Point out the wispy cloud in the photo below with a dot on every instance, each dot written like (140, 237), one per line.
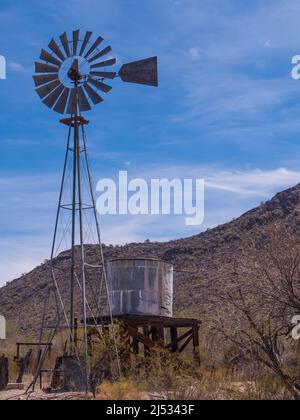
(17, 67)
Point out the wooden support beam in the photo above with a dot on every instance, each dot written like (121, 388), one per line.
(184, 346)
(151, 331)
(146, 332)
(178, 339)
(135, 343)
(141, 338)
(146, 320)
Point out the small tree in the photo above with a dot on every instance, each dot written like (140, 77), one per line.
(261, 301)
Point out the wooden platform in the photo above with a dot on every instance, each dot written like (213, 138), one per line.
(144, 333)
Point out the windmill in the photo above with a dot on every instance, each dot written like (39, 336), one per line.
(70, 78)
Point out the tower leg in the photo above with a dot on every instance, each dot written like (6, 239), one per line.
(82, 250)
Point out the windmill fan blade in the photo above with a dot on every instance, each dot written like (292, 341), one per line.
(49, 58)
(42, 80)
(62, 102)
(65, 43)
(142, 72)
(104, 74)
(85, 42)
(83, 102)
(99, 85)
(45, 68)
(45, 90)
(100, 54)
(95, 98)
(55, 48)
(94, 46)
(75, 41)
(52, 98)
(106, 63)
(72, 103)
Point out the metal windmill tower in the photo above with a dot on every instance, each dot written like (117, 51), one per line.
(70, 78)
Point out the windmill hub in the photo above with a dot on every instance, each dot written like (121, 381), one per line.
(74, 72)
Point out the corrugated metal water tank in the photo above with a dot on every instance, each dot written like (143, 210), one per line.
(140, 287)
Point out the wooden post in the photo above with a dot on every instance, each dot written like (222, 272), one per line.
(41, 379)
(196, 343)
(4, 377)
(161, 335)
(154, 333)
(125, 343)
(75, 332)
(146, 331)
(18, 352)
(135, 342)
(90, 341)
(174, 339)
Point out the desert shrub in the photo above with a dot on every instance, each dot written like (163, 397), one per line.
(122, 389)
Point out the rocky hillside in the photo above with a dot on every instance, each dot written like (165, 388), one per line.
(203, 263)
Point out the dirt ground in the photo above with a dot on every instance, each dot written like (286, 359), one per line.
(76, 396)
(41, 396)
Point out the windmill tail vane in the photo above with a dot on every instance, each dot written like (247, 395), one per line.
(71, 76)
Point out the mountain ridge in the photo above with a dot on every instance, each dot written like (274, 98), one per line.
(203, 262)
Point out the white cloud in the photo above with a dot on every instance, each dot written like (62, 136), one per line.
(195, 53)
(17, 67)
(253, 183)
(268, 44)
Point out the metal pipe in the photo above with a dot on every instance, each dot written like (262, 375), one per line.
(72, 281)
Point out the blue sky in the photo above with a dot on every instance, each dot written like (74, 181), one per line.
(227, 110)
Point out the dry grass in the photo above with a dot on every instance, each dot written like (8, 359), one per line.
(123, 389)
(176, 377)
(171, 377)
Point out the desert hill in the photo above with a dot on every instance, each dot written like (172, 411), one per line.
(204, 263)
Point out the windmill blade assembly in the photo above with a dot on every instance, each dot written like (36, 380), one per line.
(78, 62)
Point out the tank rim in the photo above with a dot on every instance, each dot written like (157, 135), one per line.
(139, 259)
